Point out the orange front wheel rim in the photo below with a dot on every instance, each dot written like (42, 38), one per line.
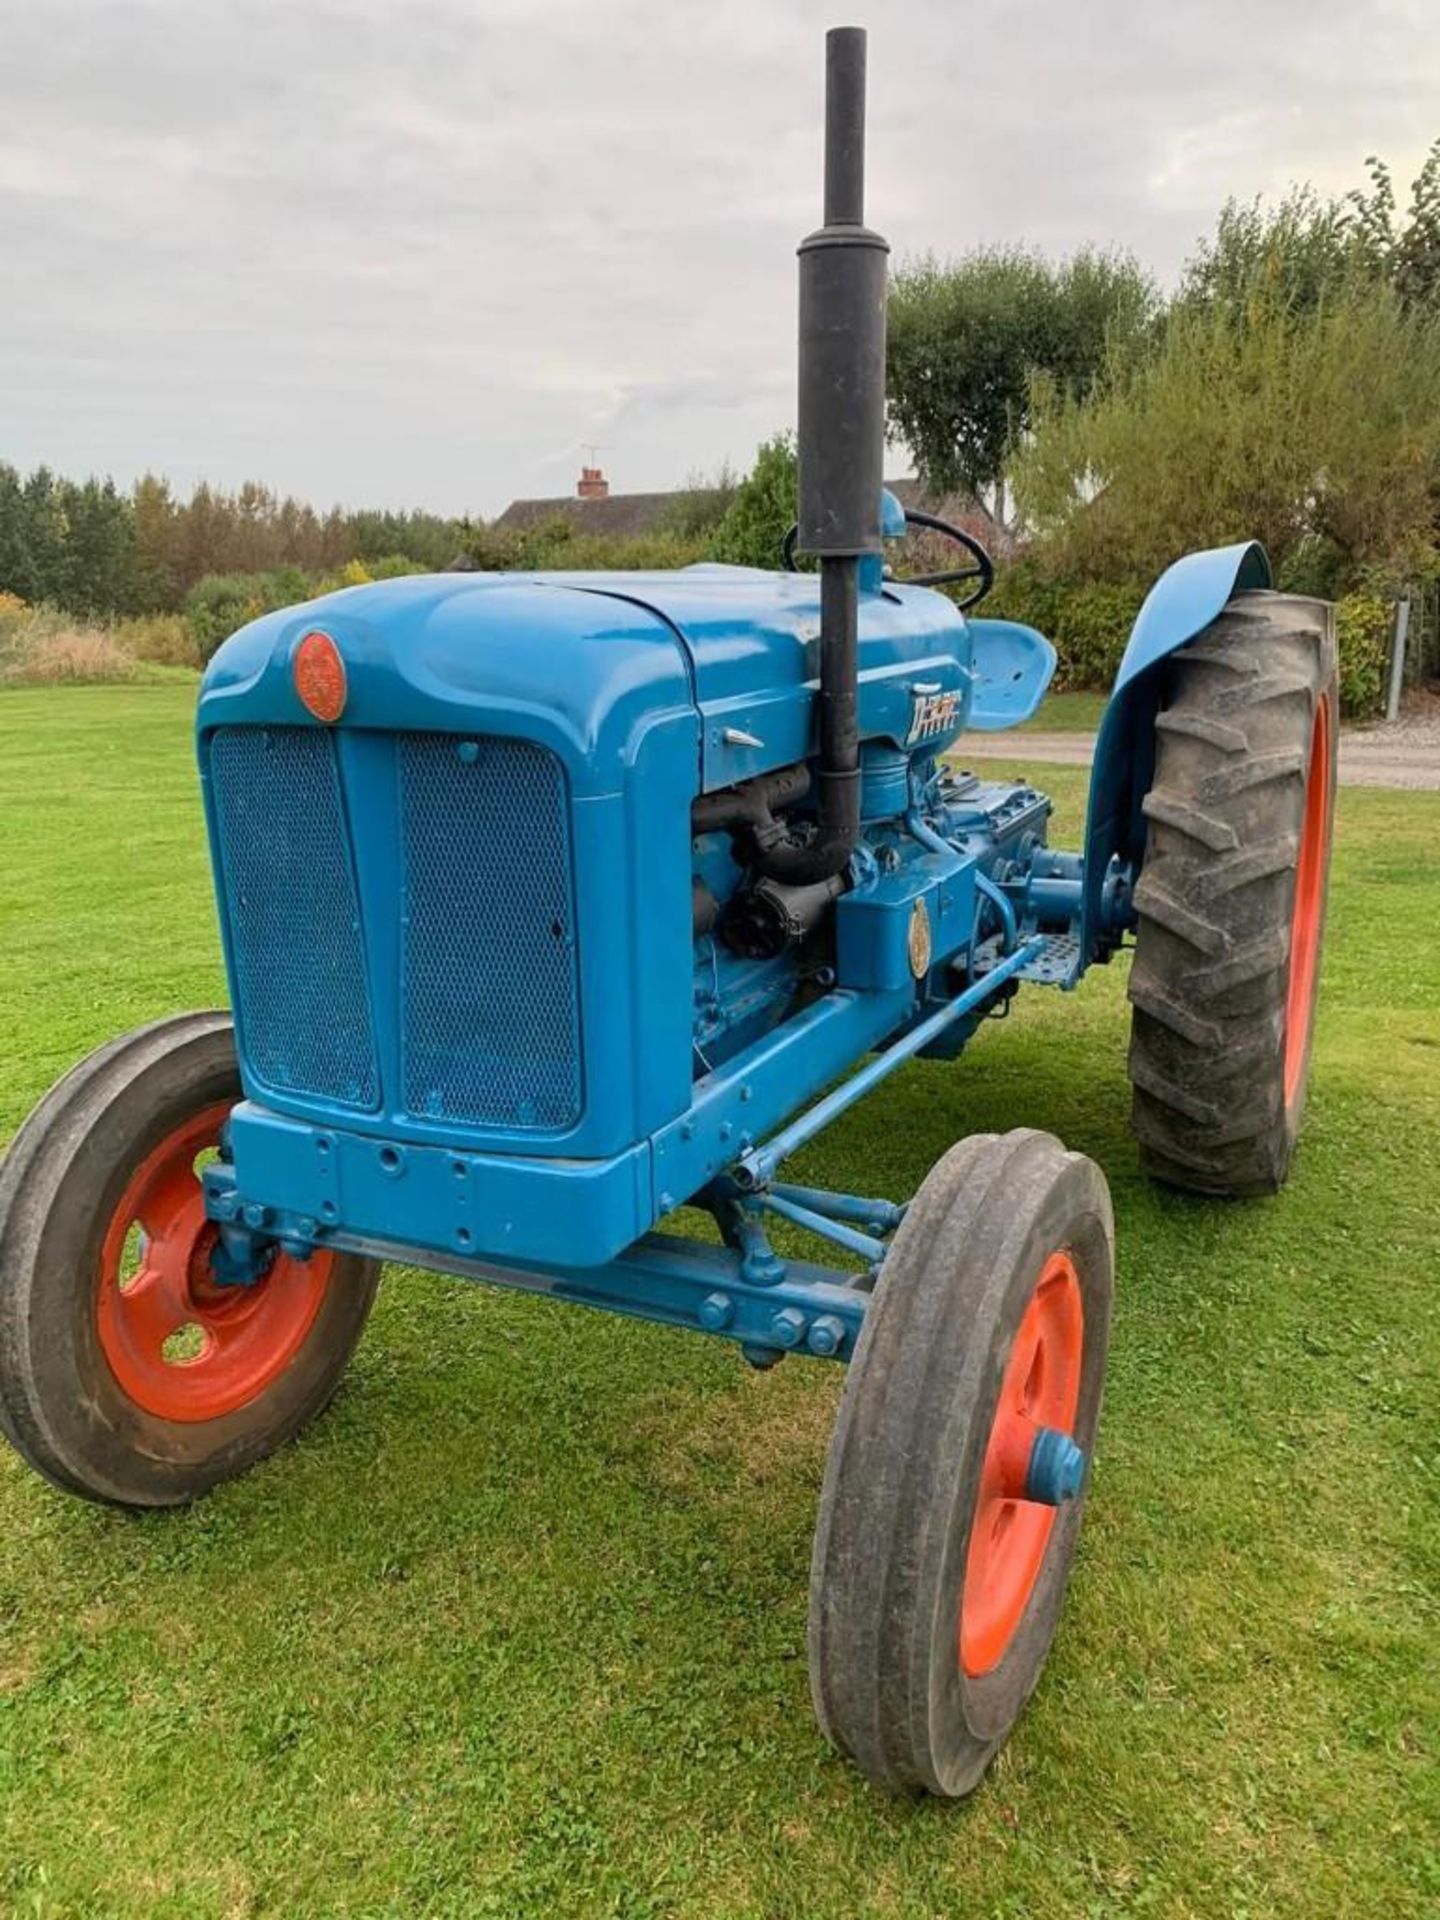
(180, 1345)
(1010, 1533)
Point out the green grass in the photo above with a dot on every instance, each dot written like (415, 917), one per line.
(1068, 713)
(519, 1627)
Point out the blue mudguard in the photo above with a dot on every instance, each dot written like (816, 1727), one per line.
(1181, 604)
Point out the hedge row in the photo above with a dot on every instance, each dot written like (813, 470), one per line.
(1091, 623)
(222, 603)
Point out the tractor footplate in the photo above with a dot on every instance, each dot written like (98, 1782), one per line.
(1054, 963)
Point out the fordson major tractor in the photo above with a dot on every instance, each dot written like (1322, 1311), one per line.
(553, 903)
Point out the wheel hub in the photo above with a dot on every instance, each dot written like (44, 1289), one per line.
(1032, 1466)
(182, 1342)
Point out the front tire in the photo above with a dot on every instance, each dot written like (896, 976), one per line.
(127, 1374)
(940, 1559)
(1231, 897)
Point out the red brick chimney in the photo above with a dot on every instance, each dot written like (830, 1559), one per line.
(593, 485)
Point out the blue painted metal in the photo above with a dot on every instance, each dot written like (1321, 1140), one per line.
(475, 1020)
(1185, 599)
(490, 1005)
(1045, 890)
(756, 1168)
(1056, 1470)
(881, 1216)
(682, 1283)
(853, 1241)
(303, 1004)
(892, 527)
(1181, 604)
(753, 640)
(873, 921)
(1009, 933)
(885, 780)
(1012, 666)
(440, 1200)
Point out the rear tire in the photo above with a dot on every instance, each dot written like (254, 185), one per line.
(104, 1268)
(938, 1570)
(1231, 897)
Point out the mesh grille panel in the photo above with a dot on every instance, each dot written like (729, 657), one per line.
(491, 1017)
(294, 924)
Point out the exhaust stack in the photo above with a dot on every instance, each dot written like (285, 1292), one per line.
(842, 331)
(841, 450)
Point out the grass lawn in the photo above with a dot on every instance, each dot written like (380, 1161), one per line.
(519, 1627)
(1068, 713)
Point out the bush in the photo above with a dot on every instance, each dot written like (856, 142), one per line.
(83, 655)
(222, 603)
(1316, 432)
(640, 553)
(1089, 621)
(1364, 625)
(559, 546)
(162, 639)
(218, 605)
(762, 510)
(41, 645)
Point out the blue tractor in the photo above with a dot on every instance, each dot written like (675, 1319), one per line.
(553, 903)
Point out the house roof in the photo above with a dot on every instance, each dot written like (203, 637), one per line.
(621, 515)
(618, 515)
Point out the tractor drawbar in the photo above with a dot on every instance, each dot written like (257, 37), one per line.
(841, 452)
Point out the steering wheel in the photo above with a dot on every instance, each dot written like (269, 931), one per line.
(983, 572)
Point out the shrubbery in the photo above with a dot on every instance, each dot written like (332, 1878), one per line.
(1090, 624)
(43, 645)
(222, 603)
(1364, 626)
(762, 509)
(558, 546)
(103, 554)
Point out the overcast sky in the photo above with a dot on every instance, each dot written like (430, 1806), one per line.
(418, 254)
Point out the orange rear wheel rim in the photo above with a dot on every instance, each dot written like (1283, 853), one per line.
(181, 1346)
(1010, 1534)
(1309, 903)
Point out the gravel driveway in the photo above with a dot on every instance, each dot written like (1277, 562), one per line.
(1404, 754)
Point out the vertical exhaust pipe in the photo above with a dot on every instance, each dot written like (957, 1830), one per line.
(841, 449)
(842, 332)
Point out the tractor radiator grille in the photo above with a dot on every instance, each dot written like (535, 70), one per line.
(301, 1003)
(491, 1020)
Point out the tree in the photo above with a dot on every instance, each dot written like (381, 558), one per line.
(1316, 431)
(703, 502)
(967, 337)
(155, 584)
(1292, 255)
(1417, 249)
(762, 508)
(1307, 249)
(44, 536)
(16, 572)
(100, 548)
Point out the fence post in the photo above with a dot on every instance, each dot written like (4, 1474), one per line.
(1397, 658)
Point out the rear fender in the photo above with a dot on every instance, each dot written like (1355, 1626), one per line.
(1181, 604)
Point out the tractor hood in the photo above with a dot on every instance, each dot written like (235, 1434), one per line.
(590, 661)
